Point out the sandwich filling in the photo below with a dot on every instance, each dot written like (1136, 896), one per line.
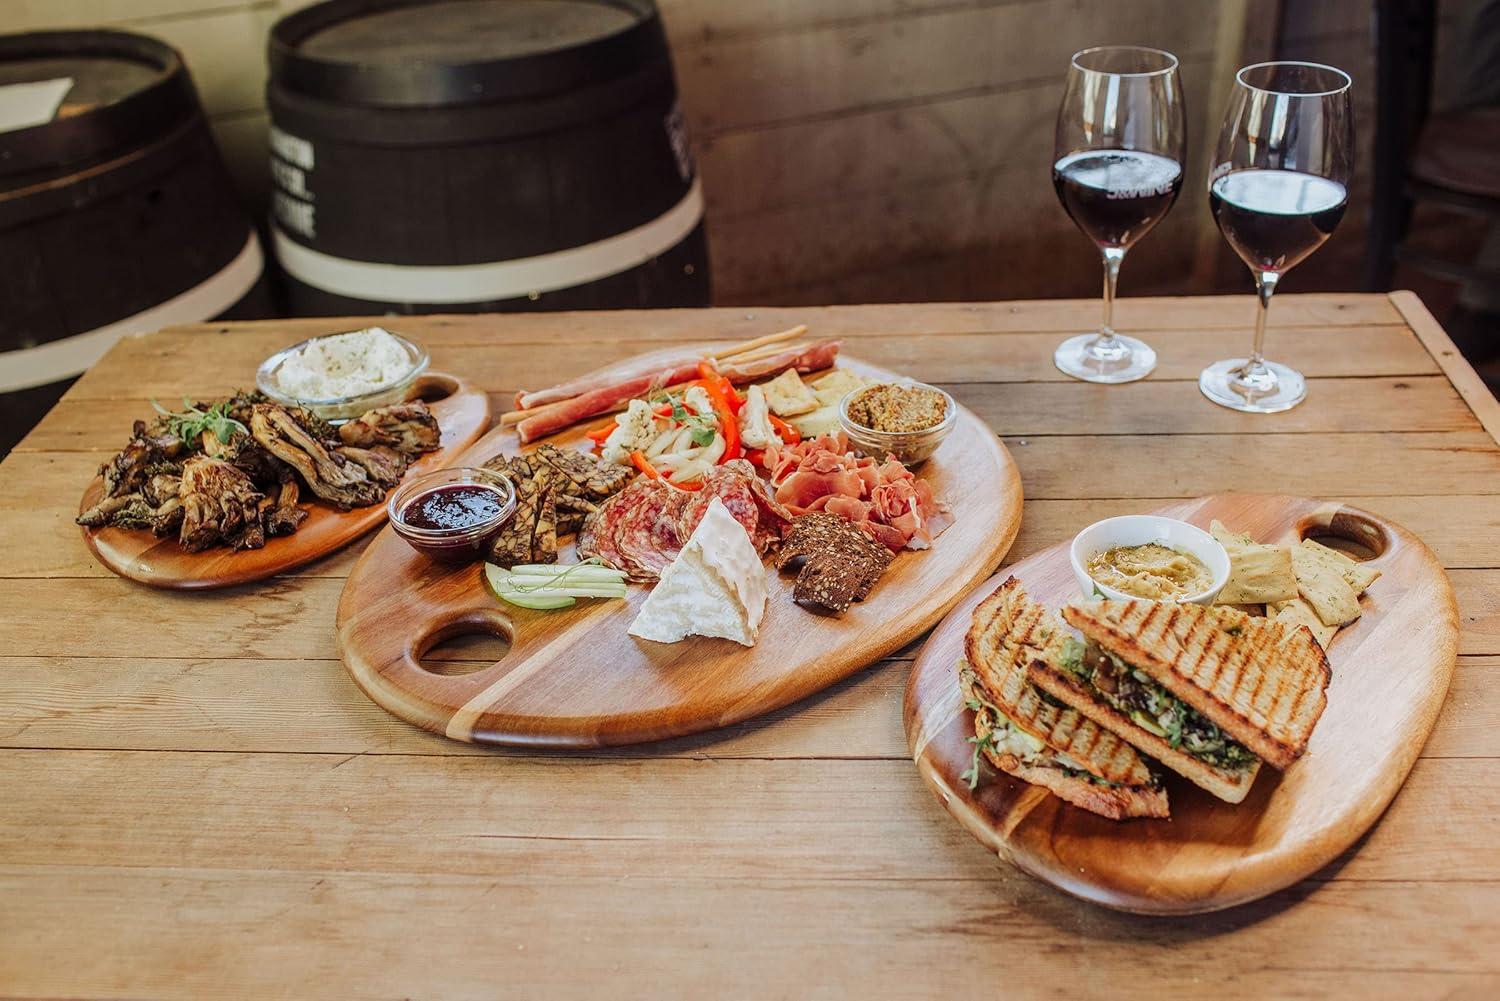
(1005, 737)
(1136, 694)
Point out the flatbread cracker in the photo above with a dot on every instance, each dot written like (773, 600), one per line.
(1359, 576)
(1258, 574)
(1324, 587)
(1297, 612)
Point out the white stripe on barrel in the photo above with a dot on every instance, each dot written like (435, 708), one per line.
(522, 276)
(68, 356)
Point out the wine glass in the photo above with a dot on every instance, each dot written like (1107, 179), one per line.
(1117, 169)
(1277, 191)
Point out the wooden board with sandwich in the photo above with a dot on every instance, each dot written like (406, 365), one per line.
(1179, 758)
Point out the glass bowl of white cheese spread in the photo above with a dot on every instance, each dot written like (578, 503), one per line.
(342, 376)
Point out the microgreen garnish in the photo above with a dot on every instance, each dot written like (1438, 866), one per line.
(193, 421)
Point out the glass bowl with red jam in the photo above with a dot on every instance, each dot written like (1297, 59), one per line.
(452, 514)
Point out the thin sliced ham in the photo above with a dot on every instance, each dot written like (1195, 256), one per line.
(885, 499)
(609, 391)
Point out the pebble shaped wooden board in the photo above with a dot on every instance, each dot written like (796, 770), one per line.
(463, 414)
(575, 679)
(1391, 670)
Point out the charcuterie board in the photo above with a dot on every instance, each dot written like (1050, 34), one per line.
(1390, 673)
(574, 678)
(462, 411)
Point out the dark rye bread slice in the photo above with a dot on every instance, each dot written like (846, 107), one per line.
(1007, 633)
(1113, 802)
(1260, 680)
(1230, 785)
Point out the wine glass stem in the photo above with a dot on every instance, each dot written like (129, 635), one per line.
(1265, 285)
(1112, 258)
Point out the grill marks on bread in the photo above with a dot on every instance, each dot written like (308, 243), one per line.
(1262, 682)
(1008, 632)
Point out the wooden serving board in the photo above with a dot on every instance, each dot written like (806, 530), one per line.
(1391, 670)
(463, 414)
(575, 678)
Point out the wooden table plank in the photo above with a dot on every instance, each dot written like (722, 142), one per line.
(809, 820)
(310, 706)
(164, 367)
(195, 788)
(1380, 403)
(382, 935)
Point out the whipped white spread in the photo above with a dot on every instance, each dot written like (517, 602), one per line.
(352, 364)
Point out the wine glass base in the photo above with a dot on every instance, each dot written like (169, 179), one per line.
(1132, 359)
(1220, 382)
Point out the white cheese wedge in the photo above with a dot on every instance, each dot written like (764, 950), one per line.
(716, 586)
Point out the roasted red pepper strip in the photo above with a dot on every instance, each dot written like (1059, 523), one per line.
(728, 426)
(601, 432)
(785, 431)
(638, 458)
(757, 457)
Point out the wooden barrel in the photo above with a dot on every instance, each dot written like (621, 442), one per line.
(116, 212)
(477, 155)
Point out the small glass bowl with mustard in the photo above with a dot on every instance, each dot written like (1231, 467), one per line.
(345, 375)
(906, 419)
(1147, 556)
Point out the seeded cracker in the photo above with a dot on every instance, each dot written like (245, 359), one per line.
(840, 564)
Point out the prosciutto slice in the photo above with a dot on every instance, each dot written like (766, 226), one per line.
(610, 391)
(884, 499)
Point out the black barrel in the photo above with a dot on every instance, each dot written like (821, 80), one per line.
(116, 215)
(476, 155)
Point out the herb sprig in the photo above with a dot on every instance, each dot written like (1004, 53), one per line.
(193, 421)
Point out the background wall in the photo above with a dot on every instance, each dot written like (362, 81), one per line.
(872, 150)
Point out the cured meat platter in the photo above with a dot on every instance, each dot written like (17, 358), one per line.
(1390, 671)
(462, 412)
(576, 677)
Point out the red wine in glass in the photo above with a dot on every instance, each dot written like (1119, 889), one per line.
(1275, 218)
(1117, 156)
(1115, 195)
(1277, 191)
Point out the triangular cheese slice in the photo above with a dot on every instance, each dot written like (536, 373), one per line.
(716, 586)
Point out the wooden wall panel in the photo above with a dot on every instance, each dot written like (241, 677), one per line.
(852, 150)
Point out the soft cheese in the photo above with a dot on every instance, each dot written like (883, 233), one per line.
(715, 587)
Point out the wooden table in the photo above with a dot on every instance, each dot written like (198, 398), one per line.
(196, 801)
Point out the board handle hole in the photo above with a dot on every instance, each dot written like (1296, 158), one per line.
(1351, 533)
(432, 387)
(472, 643)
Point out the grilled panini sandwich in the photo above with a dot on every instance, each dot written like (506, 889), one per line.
(1208, 692)
(1023, 733)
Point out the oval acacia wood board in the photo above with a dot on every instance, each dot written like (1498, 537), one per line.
(463, 414)
(576, 679)
(1390, 668)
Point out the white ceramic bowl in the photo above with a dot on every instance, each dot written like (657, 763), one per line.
(1139, 530)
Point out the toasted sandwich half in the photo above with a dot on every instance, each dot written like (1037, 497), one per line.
(1208, 692)
(1025, 734)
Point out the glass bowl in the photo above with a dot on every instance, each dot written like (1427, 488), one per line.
(451, 545)
(910, 447)
(339, 409)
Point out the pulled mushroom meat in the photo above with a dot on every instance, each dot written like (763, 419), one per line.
(384, 465)
(148, 449)
(177, 475)
(328, 474)
(219, 503)
(409, 428)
